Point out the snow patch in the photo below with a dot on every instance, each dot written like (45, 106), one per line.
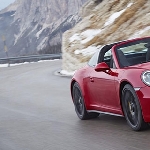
(75, 37)
(33, 30)
(72, 45)
(65, 72)
(73, 17)
(89, 35)
(129, 5)
(114, 16)
(17, 64)
(87, 51)
(43, 28)
(42, 44)
(13, 15)
(22, 31)
(86, 35)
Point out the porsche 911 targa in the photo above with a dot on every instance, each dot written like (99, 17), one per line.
(116, 81)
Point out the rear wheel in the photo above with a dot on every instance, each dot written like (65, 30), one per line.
(132, 109)
(80, 105)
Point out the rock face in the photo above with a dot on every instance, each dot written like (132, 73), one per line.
(36, 26)
(103, 22)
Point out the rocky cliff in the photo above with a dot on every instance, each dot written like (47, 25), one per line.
(104, 21)
(36, 26)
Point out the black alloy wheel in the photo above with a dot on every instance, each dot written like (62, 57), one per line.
(132, 109)
(80, 105)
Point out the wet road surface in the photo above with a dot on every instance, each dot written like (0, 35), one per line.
(36, 113)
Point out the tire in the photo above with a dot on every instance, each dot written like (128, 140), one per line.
(80, 105)
(132, 110)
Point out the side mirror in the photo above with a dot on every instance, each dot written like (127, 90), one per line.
(102, 67)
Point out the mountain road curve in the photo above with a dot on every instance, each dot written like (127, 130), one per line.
(37, 113)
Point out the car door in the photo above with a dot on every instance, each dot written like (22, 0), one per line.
(102, 87)
(103, 90)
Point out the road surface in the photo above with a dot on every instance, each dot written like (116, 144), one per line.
(36, 113)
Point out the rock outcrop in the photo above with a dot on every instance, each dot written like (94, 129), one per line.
(104, 21)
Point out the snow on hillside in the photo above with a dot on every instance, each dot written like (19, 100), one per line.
(115, 15)
(43, 28)
(18, 64)
(107, 22)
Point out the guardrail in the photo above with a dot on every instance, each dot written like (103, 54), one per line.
(31, 58)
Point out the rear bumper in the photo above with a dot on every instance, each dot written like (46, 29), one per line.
(144, 98)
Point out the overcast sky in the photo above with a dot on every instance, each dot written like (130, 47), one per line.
(5, 3)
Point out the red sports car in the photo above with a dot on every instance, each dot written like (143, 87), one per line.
(116, 81)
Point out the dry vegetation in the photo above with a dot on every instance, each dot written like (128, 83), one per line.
(134, 19)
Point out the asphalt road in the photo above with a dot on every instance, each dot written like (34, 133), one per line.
(36, 113)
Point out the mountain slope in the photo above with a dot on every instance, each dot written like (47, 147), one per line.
(36, 26)
(103, 22)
